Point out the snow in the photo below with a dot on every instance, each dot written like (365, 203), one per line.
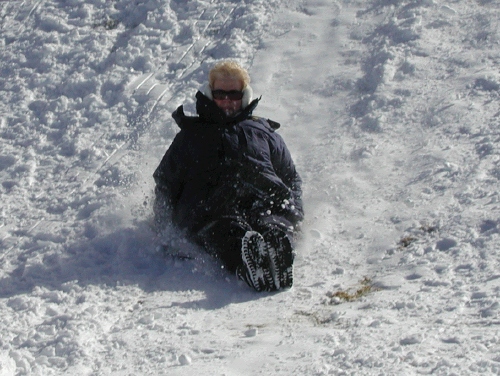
(391, 111)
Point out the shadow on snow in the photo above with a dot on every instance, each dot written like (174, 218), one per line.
(130, 257)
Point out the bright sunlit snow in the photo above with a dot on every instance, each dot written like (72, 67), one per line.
(391, 111)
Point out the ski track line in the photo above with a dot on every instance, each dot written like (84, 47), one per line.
(206, 44)
(37, 3)
(143, 82)
(199, 35)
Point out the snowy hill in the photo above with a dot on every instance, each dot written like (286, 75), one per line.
(391, 111)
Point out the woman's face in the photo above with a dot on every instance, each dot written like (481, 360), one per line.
(230, 106)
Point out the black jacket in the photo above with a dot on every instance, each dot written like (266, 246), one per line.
(218, 166)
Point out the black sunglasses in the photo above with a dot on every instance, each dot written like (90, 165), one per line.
(233, 95)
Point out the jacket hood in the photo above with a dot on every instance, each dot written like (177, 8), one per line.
(210, 113)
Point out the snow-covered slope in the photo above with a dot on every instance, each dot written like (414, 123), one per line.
(391, 111)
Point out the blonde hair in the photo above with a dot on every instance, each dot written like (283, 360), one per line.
(228, 69)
